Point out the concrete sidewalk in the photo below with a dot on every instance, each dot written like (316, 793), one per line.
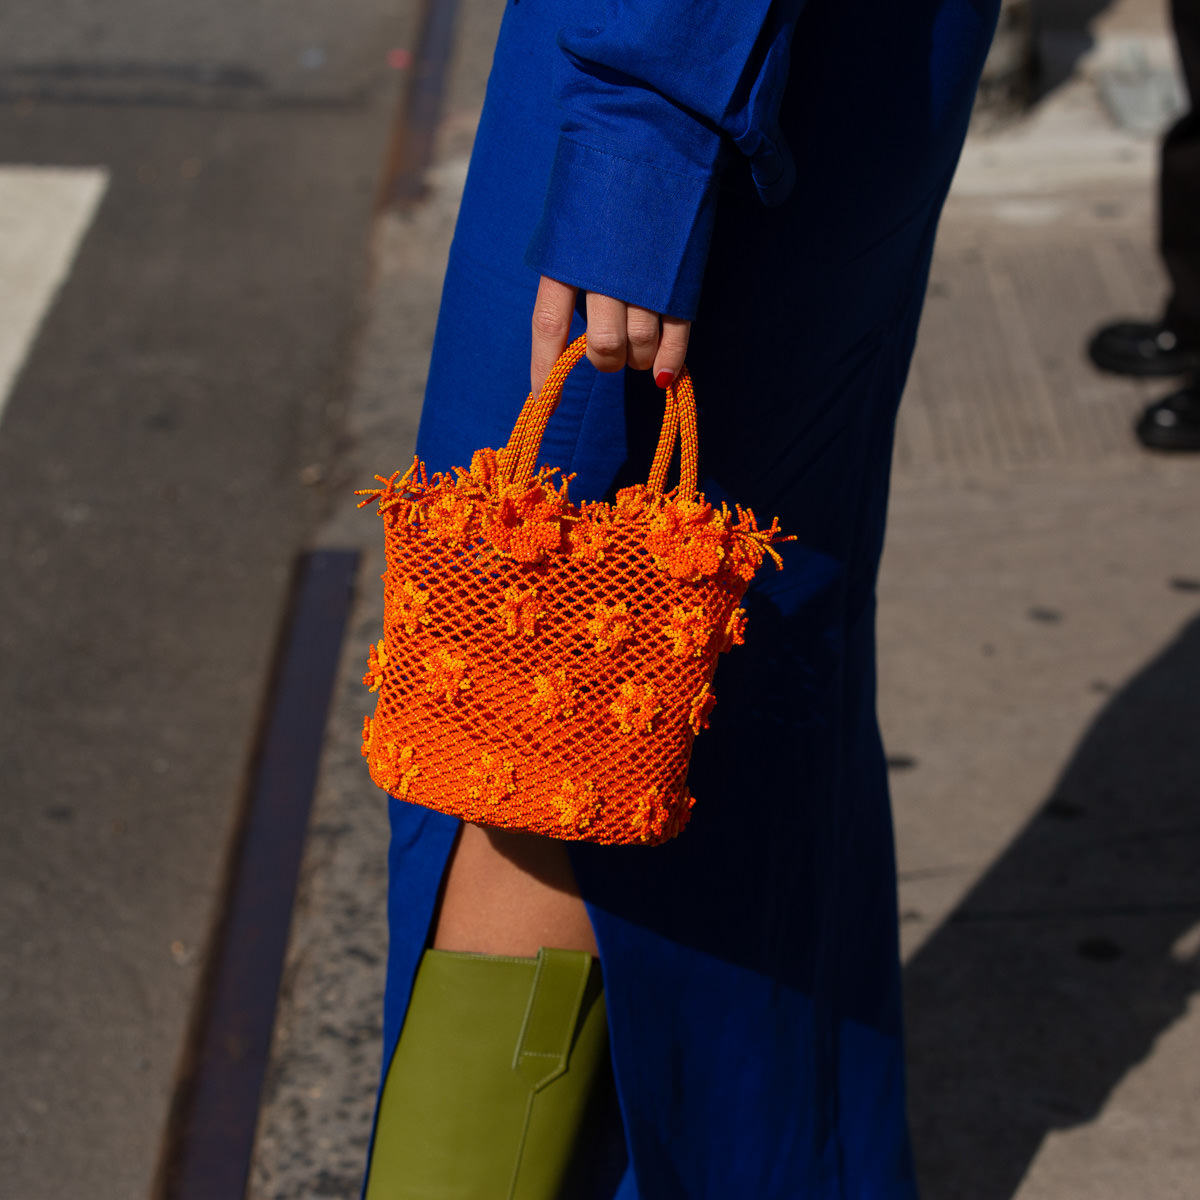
(1039, 676)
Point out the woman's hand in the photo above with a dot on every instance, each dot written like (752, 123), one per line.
(618, 334)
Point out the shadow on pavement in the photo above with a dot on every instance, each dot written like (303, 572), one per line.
(1057, 972)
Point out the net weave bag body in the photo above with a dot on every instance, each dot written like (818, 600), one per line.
(546, 666)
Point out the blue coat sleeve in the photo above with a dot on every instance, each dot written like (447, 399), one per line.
(656, 95)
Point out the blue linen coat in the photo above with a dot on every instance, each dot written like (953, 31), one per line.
(627, 147)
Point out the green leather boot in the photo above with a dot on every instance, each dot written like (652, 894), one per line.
(487, 1091)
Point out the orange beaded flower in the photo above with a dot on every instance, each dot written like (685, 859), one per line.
(553, 696)
(445, 675)
(611, 626)
(520, 610)
(410, 604)
(377, 661)
(688, 630)
(588, 540)
(734, 633)
(654, 821)
(649, 818)
(688, 539)
(702, 705)
(527, 524)
(635, 707)
(578, 805)
(396, 769)
(634, 503)
(449, 515)
(491, 779)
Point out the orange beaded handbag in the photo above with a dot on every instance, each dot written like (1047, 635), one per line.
(546, 665)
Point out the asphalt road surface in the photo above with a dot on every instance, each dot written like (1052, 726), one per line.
(185, 207)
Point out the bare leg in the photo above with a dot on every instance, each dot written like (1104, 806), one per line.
(511, 893)
(459, 1100)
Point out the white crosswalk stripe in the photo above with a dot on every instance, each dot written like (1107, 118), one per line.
(44, 213)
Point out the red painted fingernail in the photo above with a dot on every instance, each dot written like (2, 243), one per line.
(663, 378)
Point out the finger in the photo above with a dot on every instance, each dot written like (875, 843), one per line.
(642, 332)
(606, 332)
(672, 350)
(552, 312)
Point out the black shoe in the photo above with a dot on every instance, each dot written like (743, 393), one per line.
(1172, 423)
(1143, 348)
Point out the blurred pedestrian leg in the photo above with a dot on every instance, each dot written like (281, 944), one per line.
(1171, 345)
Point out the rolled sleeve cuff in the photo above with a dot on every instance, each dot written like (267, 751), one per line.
(652, 225)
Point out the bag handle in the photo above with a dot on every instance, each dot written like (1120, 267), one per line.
(518, 459)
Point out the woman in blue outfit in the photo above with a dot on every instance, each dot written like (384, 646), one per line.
(757, 183)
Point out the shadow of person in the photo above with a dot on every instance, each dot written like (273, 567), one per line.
(1057, 972)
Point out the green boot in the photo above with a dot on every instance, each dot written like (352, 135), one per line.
(486, 1093)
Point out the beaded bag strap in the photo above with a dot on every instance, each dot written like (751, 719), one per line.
(518, 459)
